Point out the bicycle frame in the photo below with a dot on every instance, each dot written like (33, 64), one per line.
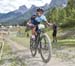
(38, 38)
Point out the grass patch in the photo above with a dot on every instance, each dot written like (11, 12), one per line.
(66, 43)
(6, 47)
(21, 40)
(9, 58)
(6, 50)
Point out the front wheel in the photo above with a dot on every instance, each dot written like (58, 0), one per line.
(33, 48)
(45, 48)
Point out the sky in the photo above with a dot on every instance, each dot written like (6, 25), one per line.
(11, 5)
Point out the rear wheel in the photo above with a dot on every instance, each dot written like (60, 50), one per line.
(45, 48)
(33, 48)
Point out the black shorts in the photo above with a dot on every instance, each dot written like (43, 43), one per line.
(36, 25)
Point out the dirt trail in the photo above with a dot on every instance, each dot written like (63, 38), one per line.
(14, 45)
(25, 56)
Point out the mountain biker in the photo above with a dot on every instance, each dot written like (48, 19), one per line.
(39, 18)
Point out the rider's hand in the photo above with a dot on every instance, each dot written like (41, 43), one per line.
(50, 24)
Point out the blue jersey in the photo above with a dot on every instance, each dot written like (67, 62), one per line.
(41, 19)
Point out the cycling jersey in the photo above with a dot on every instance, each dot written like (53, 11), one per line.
(40, 19)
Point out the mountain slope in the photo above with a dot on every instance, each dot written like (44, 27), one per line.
(57, 3)
(13, 14)
(23, 13)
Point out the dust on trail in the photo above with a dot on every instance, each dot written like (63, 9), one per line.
(23, 56)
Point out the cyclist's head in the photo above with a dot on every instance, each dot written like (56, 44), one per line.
(39, 11)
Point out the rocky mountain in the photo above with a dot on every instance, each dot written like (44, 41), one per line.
(57, 3)
(22, 9)
(23, 13)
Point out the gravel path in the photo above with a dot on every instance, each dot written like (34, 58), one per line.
(22, 55)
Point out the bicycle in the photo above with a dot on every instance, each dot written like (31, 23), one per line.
(42, 43)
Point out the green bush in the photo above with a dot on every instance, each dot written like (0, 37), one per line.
(69, 23)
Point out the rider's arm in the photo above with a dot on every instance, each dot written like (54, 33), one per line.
(49, 24)
(29, 22)
(46, 22)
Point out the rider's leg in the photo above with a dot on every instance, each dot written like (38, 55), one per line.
(54, 39)
(32, 26)
(33, 32)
